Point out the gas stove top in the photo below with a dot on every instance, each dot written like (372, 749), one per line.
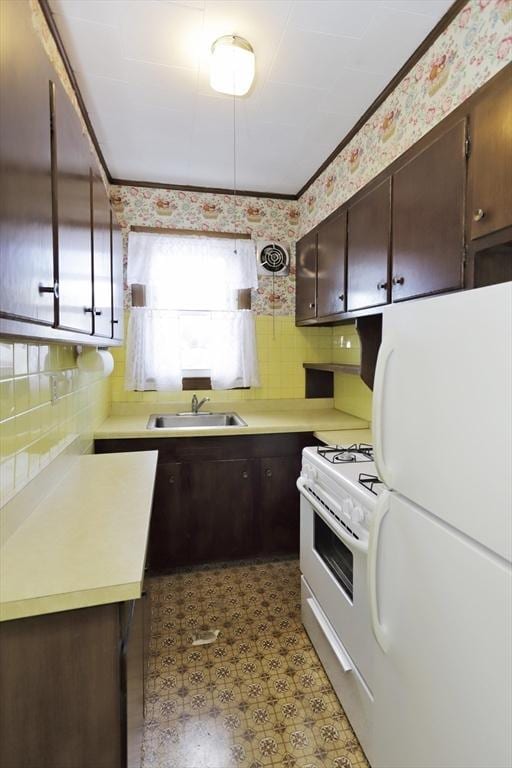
(343, 469)
(351, 454)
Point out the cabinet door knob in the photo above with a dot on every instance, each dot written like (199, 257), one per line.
(115, 322)
(478, 214)
(398, 280)
(382, 285)
(171, 480)
(50, 289)
(311, 305)
(268, 472)
(341, 296)
(98, 312)
(88, 309)
(245, 474)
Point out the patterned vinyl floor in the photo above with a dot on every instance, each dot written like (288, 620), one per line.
(255, 697)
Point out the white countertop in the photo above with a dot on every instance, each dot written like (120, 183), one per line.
(297, 419)
(345, 437)
(85, 543)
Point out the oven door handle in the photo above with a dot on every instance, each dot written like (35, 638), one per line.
(330, 636)
(346, 538)
(373, 551)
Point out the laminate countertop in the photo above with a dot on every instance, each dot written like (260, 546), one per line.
(85, 543)
(258, 422)
(345, 437)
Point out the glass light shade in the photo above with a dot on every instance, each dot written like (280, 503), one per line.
(232, 65)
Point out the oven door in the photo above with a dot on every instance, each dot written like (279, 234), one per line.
(333, 563)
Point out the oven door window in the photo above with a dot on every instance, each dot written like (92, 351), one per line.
(337, 557)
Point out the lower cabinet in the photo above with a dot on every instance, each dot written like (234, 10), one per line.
(279, 504)
(169, 538)
(81, 673)
(218, 503)
(221, 498)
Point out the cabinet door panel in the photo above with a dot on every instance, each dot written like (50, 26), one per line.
(102, 292)
(305, 291)
(73, 195)
(219, 508)
(490, 163)
(331, 266)
(369, 224)
(279, 504)
(168, 537)
(26, 240)
(134, 681)
(117, 280)
(428, 218)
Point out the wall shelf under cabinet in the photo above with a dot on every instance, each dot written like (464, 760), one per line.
(320, 377)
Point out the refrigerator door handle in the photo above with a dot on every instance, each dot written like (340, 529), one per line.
(385, 352)
(373, 552)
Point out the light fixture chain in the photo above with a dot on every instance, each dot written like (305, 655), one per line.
(234, 167)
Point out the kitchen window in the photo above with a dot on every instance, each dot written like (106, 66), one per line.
(190, 324)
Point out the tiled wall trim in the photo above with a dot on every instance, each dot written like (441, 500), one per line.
(33, 430)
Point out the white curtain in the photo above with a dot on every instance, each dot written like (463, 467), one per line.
(201, 273)
(190, 319)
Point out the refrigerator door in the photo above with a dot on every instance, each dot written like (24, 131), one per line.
(442, 409)
(442, 687)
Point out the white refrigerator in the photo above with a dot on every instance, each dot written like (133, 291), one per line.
(440, 550)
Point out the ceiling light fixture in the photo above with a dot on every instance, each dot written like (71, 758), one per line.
(232, 65)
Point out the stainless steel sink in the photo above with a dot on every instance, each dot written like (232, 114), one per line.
(193, 420)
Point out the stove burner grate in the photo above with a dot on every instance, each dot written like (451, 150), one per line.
(368, 481)
(339, 455)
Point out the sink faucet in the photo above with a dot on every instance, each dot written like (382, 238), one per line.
(196, 404)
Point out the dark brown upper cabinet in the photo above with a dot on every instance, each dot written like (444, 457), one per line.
(369, 229)
(117, 282)
(26, 241)
(490, 162)
(101, 306)
(72, 184)
(428, 218)
(331, 248)
(60, 276)
(305, 294)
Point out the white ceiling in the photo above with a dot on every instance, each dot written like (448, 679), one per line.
(142, 67)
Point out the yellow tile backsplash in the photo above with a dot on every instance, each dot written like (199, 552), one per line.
(33, 431)
(350, 393)
(282, 348)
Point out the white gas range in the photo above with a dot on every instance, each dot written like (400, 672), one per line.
(339, 488)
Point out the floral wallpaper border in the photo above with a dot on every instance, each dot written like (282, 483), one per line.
(263, 218)
(473, 48)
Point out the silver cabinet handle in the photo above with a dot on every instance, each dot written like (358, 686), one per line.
(478, 214)
(171, 481)
(50, 289)
(245, 475)
(268, 472)
(382, 285)
(398, 280)
(311, 305)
